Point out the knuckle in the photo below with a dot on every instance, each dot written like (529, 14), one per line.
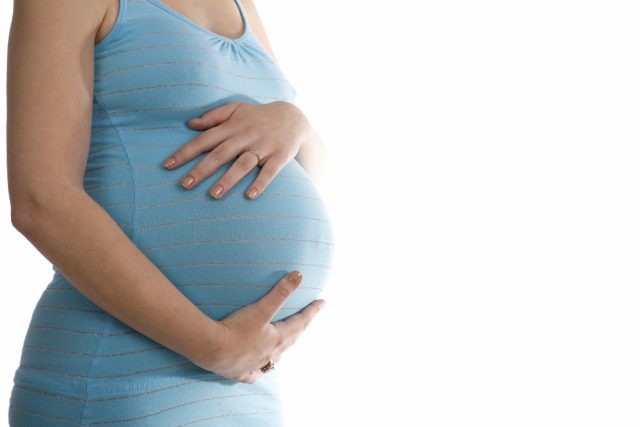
(283, 156)
(306, 320)
(265, 175)
(246, 161)
(284, 290)
(274, 163)
(261, 305)
(196, 145)
(212, 156)
(265, 312)
(212, 116)
(212, 160)
(222, 152)
(274, 336)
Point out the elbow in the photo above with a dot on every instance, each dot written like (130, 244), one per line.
(31, 208)
(22, 215)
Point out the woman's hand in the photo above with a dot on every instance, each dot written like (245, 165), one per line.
(276, 131)
(248, 338)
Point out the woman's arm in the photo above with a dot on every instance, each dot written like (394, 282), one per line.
(49, 107)
(314, 158)
(313, 155)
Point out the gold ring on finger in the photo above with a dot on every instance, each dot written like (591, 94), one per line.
(256, 153)
(269, 366)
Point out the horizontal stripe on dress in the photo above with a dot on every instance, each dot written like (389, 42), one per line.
(106, 377)
(200, 379)
(167, 183)
(75, 422)
(224, 89)
(234, 217)
(99, 58)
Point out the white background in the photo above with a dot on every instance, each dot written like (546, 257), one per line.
(486, 199)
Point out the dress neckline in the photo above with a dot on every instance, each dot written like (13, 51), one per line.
(245, 21)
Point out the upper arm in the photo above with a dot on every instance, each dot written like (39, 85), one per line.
(49, 95)
(257, 26)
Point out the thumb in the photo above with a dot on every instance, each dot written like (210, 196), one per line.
(276, 297)
(214, 116)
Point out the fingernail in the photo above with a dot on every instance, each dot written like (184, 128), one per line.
(252, 193)
(217, 190)
(170, 162)
(187, 180)
(295, 277)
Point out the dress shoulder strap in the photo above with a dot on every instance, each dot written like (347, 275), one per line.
(122, 12)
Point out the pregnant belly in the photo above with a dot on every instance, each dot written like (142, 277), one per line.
(226, 253)
(222, 254)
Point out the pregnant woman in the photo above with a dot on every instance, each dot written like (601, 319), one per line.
(170, 302)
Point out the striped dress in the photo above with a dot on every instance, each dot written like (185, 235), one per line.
(81, 366)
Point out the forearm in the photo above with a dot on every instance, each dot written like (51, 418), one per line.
(89, 248)
(313, 156)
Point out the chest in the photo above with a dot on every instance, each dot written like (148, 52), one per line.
(161, 59)
(221, 17)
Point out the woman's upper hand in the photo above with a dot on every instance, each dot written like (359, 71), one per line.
(275, 130)
(247, 339)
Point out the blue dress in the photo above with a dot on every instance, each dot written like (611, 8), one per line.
(81, 366)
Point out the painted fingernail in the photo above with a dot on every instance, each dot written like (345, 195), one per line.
(187, 180)
(170, 162)
(295, 277)
(253, 193)
(217, 190)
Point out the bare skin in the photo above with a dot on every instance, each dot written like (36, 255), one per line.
(278, 131)
(48, 136)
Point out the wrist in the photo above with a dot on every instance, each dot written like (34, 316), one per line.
(209, 347)
(297, 121)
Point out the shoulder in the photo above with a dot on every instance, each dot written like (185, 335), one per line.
(42, 19)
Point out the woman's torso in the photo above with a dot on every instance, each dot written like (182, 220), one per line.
(155, 70)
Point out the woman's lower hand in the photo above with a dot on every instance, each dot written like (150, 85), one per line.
(274, 130)
(248, 339)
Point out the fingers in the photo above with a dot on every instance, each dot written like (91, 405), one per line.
(268, 171)
(205, 141)
(240, 168)
(296, 324)
(251, 377)
(269, 304)
(221, 155)
(254, 375)
(214, 116)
